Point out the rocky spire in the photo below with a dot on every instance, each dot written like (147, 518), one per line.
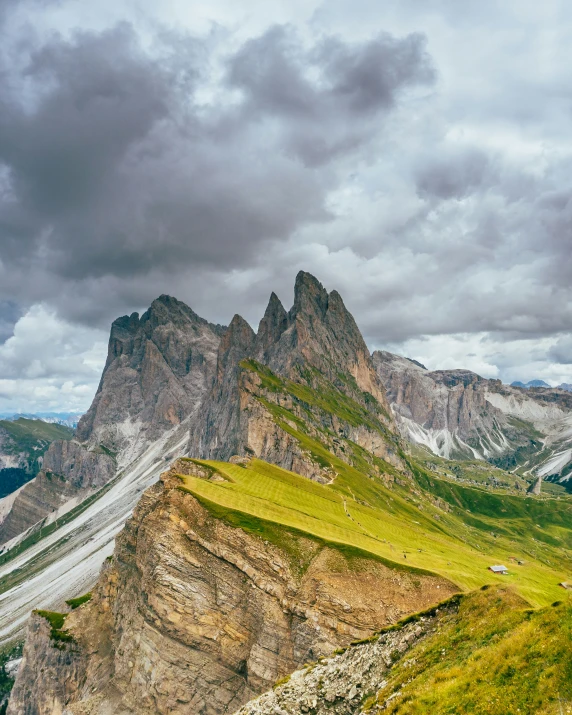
(536, 487)
(271, 327)
(310, 297)
(322, 333)
(236, 344)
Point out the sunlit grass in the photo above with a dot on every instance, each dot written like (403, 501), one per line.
(395, 529)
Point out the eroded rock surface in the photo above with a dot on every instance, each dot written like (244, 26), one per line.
(70, 472)
(461, 415)
(159, 368)
(316, 344)
(341, 684)
(196, 616)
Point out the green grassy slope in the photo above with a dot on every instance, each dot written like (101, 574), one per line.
(415, 527)
(494, 656)
(31, 437)
(411, 516)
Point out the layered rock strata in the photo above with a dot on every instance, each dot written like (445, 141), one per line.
(342, 684)
(195, 615)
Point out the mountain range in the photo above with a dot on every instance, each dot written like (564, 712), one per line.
(278, 496)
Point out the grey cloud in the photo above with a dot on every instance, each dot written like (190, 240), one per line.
(561, 352)
(116, 169)
(9, 314)
(333, 93)
(455, 176)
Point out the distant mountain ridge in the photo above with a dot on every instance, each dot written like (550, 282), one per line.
(529, 384)
(67, 419)
(541, 383)
(461, 415)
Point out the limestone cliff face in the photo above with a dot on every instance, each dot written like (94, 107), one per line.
(450, 407)
(159, 368)
(320, 332)
(342, 683)
(196, 616)
(69, 472)
(458, 414)
(317, 344)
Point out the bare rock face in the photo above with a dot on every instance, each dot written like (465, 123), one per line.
(69, 474)
(159, 368)
(49, 659)
(450, 407)
(196, 616)
(340, 684)
(319, 332)
(536, 487)
(316, 344)
(460, 415)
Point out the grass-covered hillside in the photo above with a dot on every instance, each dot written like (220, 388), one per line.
(495, 655)
(22, 443)
(427, 523)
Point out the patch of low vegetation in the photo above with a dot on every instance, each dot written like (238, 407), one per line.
(58, 635)
(492, 655)
(74, 603)
(9, 652)
(320, 394)
(424, 525)
(32, 438)
(12, 478)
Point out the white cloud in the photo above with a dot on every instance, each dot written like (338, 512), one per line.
(490, 357)
(49, 364)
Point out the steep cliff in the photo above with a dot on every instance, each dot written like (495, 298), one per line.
(460, 415)
(159, 368)
(305, 381)
(342, 683)
(195, 614)
(485, 652)
(69, 474)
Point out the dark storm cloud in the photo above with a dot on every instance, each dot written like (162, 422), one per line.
(112, 167)
(9, 314)
(337, 112)
(455, 176)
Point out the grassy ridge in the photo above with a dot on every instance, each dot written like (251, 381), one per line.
(391, 526)
(493, 656)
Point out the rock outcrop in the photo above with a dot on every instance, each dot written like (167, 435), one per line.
(194, 615)
(69, 474)
(316, 345)
(461, 415)
(536, 487)
(342, 683)
(159, 368)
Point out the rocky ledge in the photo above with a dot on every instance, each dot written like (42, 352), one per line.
(194, 615)
(345, 683)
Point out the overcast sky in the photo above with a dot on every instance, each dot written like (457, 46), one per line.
(416, 155)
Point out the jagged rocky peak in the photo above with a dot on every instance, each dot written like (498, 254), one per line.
(322, 333)
(316, 344)
(237, 343)
(271, 327)
(159, 368)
